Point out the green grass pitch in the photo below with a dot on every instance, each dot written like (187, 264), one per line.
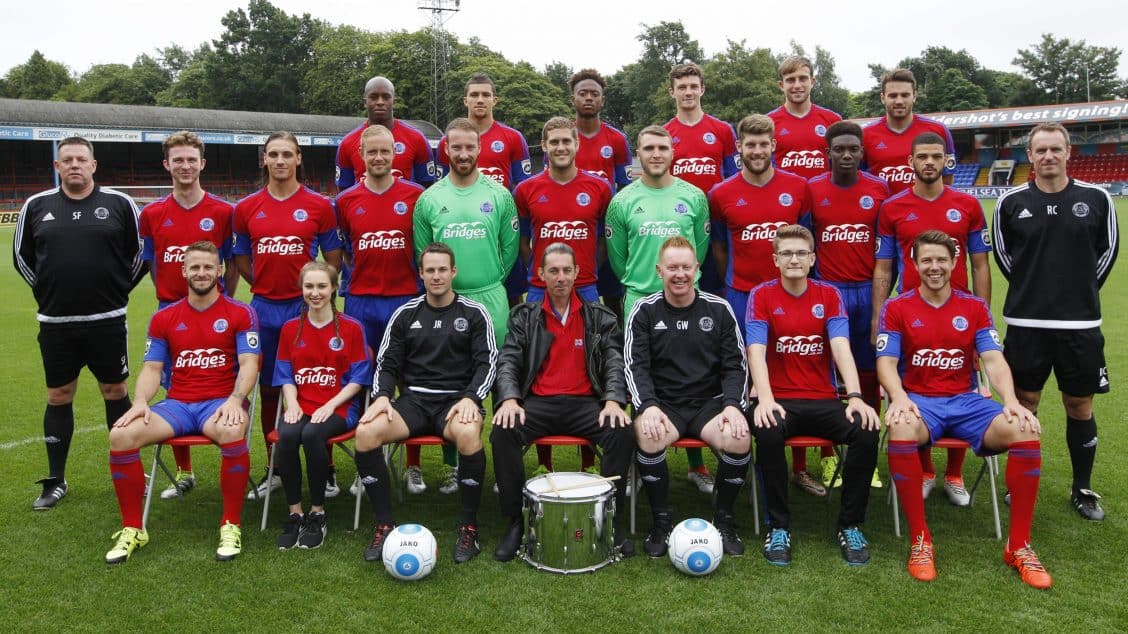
(56, 579)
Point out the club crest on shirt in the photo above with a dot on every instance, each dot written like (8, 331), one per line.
(706, 324)
(953, 215)
(400, 207)
(460, 324)
(818, 311)
(497, 146)
(606, 151)
(220, 325)
(959, 322)
(102, 213)
(820, 130)
(1079, 209)
(400, 147)
(486, 207)
(300, 215)
(582, 199)
(865, 202)
(207, 224)
(785, 200)
(681, 208)
(709, 138)
(336, 344)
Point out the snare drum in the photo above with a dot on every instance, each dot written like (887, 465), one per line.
(570, 518)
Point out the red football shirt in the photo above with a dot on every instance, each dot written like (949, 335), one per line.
(844, 221)
(748, 216)
(377, 231)
(504, 155)
(797, 332)
(607, 155)
(564, 369)
(202, 348)
(887, 152)
(281, 236)
(322, 360)
(413, 159)
(936, 345)
(905, 216)
(801, 142)
(167, 229)
(704, 153)
(568, 213)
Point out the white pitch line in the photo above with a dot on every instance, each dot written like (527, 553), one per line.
(39, 439)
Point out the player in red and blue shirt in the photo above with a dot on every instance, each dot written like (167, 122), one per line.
(930, 204)
(503, 157)
(797, 332)
(747, 209)
(928, 341)
(323, 364)
(888, 141)
(277, 230)
(800, 125)
(212, 344)
(413, 161)
(562, 204)
(167, 226)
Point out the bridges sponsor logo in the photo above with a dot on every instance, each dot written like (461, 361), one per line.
(280, 245)
(321, 376)
(851, 234)
(703, 166)
(494, 173)
(465, 231)
(938, 358)
(659, 229)
(898, 174)
(201, 359)
(174, 254)
(806, 159)
(382, 241)
(760, 231)
(564, 230)
(809, 345)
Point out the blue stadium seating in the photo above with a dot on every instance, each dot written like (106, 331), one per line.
(965, 175)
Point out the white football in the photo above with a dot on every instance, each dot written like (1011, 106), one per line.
(695, 547)
(410, 551)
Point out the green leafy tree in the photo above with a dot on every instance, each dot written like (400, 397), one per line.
(138, 84)
(334, 83)
(1067, 71)
(952, 91)
(526, 98)
(739, 82)
(37, 78)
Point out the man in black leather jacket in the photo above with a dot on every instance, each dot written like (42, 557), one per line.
(560, 372)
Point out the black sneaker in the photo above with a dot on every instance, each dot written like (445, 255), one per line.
(313, 531)
(626, 547)
(290, 530)
(855, 550)
(655, 544)
(777, 547)
(54, 490)
(730, 540)
(510, 541)
(1086, 501)
(466, 545)
(375, 549)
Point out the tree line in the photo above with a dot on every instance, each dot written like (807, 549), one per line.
(272, 61)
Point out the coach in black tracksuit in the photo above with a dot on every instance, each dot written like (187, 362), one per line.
(78, 248)
(1056, 241)
(560, 372)
(687, 376)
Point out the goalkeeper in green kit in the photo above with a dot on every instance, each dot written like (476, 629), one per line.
(476, 217)
(643, 214)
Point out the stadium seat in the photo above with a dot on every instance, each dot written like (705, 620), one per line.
(335, 441)
(805, 442)
(681, 443)
(990, 467)
(189, 440)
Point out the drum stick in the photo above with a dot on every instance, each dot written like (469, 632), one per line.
(551, 483)
(580, 485)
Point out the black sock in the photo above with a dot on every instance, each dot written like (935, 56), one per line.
(1081, 438)
(373, 472)
(58, 428)
(471, 473)
(655, 479)
(115, 409)
(732, 469)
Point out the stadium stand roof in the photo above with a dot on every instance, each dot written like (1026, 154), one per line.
(21, 118)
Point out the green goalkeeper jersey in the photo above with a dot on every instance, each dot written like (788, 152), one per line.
(641, 218)
(478, 222)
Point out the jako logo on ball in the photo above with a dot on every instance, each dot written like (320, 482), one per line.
(695, 547)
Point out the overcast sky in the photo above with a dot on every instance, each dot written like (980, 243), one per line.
(592, 34)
